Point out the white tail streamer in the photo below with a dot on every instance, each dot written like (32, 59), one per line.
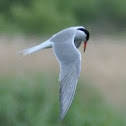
(44, 45)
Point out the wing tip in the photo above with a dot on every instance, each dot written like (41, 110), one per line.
(62, 115)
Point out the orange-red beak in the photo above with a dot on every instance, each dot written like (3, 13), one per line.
(85, 45)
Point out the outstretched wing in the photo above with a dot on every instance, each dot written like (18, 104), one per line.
(70, 64)
(68, 82)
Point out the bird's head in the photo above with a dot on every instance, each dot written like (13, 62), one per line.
(83, 35)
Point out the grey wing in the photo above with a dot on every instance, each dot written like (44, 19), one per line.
(70, 64)
(68, 83)
(77, 43)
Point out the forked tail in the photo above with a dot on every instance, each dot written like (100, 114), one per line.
(44, 45)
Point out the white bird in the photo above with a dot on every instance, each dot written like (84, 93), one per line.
(65, 44)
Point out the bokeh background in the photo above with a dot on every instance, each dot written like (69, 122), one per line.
(29, 87)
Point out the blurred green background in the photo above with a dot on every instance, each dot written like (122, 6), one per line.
(29, 87)
(45, 16)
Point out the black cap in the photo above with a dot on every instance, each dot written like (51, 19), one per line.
(86, 32)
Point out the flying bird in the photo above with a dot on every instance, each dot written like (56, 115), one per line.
(65, 45)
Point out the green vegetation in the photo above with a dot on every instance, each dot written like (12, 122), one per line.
(33, 101)
(45, 16)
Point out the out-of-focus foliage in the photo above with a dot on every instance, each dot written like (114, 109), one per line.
(33, 101)
(45, 16)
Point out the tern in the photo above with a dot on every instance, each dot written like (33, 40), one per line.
(65, 45)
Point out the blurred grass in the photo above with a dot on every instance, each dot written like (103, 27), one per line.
(42, 17)
(32, 100)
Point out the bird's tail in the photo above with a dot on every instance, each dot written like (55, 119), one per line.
(46, 44)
